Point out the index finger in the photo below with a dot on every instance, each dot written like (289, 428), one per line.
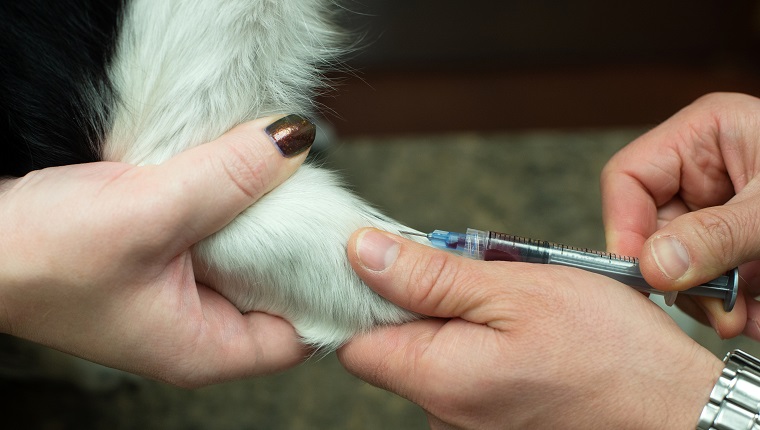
(682, 159)
(629, 208)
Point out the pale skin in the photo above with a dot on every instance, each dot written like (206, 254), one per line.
(694, 181)
(95, 261)
(519, 346)
(529, 346)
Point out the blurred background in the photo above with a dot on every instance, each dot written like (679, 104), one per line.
(491, 114)
(430, 66)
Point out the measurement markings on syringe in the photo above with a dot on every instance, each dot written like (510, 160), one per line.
(580, 256)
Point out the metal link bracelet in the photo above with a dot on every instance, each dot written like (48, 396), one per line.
(735, 399)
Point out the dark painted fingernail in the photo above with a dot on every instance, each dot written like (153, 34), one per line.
(293, 134)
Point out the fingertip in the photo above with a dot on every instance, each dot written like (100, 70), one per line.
(387, 356)
(421, 278)
(752, 328)
(670, 255)
(666, 263)
(282, 141)
(292, 134)
(375, 250)
(360, 352)
(726, 324)
(277, 346)
(623, 243)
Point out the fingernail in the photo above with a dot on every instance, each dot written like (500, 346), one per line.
(376, 251)
(292, 134)
(671, 256)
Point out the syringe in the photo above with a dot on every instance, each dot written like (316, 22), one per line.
(490, 245)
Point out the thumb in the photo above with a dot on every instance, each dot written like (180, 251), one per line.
(426, 280)
(699, 246)
(405, 358)
(702, 245)
(232, 172)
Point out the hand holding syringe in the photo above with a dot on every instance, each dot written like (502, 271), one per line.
(490, 246)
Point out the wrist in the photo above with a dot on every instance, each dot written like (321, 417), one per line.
(676, 397)
(665, 390)
(703, 387)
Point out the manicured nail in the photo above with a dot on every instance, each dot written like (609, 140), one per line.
(292, 134)
(671, 256)
(376, 251)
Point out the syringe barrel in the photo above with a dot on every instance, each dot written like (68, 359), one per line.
(492, 246)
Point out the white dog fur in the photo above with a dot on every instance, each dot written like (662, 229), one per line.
(185, 72)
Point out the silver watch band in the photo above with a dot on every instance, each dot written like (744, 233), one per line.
(735, 399)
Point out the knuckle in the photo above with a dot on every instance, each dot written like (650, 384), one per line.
(612, 167)
(715, 101)
(711, 98)
(246, 168)
(718, 229)
(431, 279)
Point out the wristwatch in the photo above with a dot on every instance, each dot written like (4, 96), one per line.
(735, 399)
